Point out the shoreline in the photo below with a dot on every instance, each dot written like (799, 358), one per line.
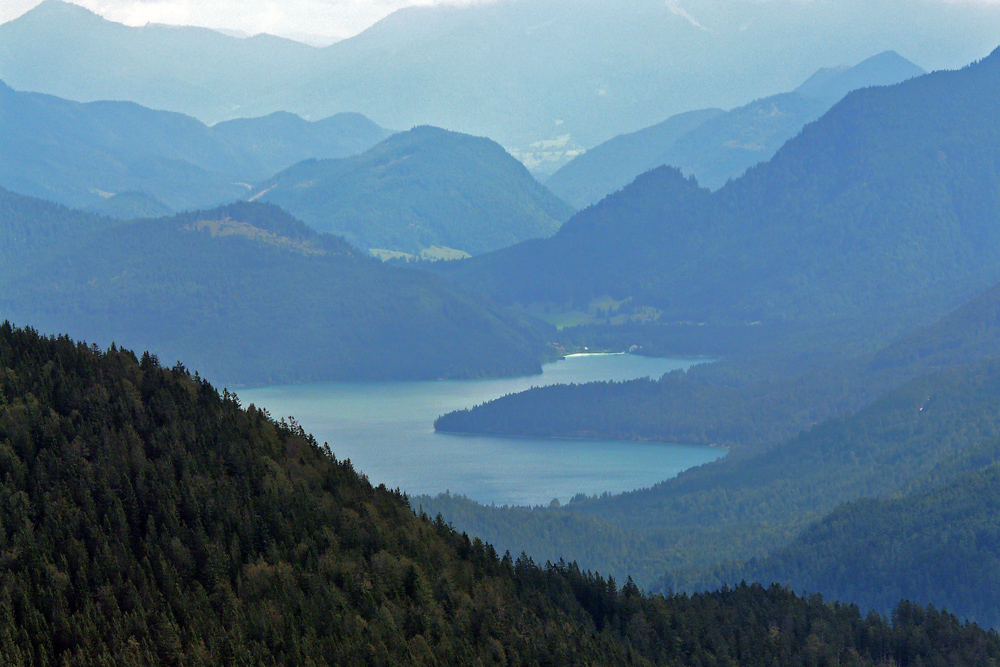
(579, 438)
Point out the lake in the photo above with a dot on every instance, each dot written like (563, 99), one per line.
(386, 429)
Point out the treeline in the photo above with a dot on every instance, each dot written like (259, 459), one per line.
(145, 519)
(749, 403)
(751, 503)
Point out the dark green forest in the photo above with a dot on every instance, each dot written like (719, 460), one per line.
(252, 296)
(941, 545)
(146, 518)
(907, 453)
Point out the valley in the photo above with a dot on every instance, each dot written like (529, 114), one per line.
(386, 429)
(511, 333)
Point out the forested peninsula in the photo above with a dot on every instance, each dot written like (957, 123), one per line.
(147, 518)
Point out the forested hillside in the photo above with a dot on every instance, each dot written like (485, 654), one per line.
(939, 546)
(418, 189)
(89, 155)
(145, 518)
(879, 216)
(251, 295)
(755, 500)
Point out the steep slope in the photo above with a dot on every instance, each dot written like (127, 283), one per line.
(722, 145)
(83, 154)
(254, 296)
(145, 519)
(756, 499)
(612, 165)
(30, 227)
(581, 71)
(970, 333)
(881, 213)
(884, 69)
(422, 188)
(278, 141)
(940, 545)
(63, 49)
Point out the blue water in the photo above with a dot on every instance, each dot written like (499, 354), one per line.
(387, 431)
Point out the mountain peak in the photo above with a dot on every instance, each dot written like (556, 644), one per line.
(59, 9)
(884, 69)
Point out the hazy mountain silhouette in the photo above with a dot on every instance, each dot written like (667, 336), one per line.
(715, 147)
(422, 188)
(567, 68)
(883, 209)
(83, 154)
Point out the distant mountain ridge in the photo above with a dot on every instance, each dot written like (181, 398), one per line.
(713, 146)
(567, 74)
(250, 294)
(84, 154)
(881, 211)
(422, 188)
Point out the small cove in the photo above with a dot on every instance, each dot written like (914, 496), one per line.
(386, 429)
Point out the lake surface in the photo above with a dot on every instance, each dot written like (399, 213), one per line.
(387, 430)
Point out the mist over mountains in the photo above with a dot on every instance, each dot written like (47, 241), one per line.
(567, 70)
(826, 257)
(84, 154)
(881, 211)
(713, 146)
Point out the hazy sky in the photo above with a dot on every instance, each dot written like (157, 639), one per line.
(291, 18)
(333, 18)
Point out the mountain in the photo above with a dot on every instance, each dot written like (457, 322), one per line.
(884, 423)
(940, 545)
(251, 295)
(715, 147)
(878, 216)
(148, 519)
(281, 139)
(612, 165)
(756, 499)
(418, 189)
(87, 155)
(884, 69)
(129, 206)
(195, 71)
(569, 76)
